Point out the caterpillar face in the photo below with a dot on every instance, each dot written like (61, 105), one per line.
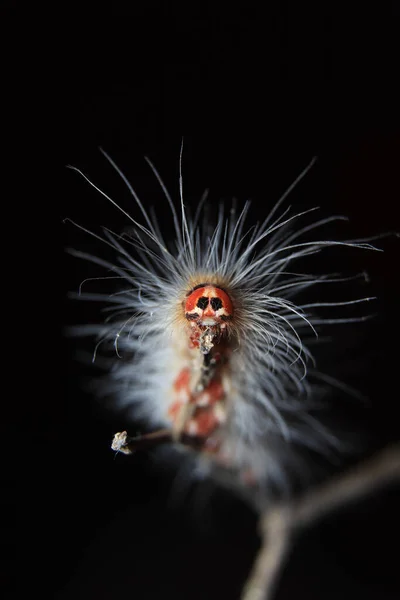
(208, 306)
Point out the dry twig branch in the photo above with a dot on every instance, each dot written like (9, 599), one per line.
(126, 444)
(279, 523)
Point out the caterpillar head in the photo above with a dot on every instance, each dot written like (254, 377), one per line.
(208, 309)
(208, 306)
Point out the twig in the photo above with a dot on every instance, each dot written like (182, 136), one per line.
(122, 442)
(280, 522)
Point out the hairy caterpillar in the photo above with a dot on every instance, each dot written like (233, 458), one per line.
(208, 344)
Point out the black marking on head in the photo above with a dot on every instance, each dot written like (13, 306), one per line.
(202, 303)
(216, 303)
(192, 316)
(226, 317)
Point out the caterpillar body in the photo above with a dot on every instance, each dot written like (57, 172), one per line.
(217, 361)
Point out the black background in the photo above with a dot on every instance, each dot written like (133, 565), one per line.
(256, 91)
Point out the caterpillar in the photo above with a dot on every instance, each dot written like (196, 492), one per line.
(208, 343)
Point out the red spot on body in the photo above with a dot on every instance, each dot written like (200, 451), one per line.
(205, 420)
(182, 381)
(174, 409)
(181, 385)
(194, 339)
(210, 395)
(215, 390)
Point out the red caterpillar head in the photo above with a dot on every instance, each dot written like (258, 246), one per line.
(208, 306)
